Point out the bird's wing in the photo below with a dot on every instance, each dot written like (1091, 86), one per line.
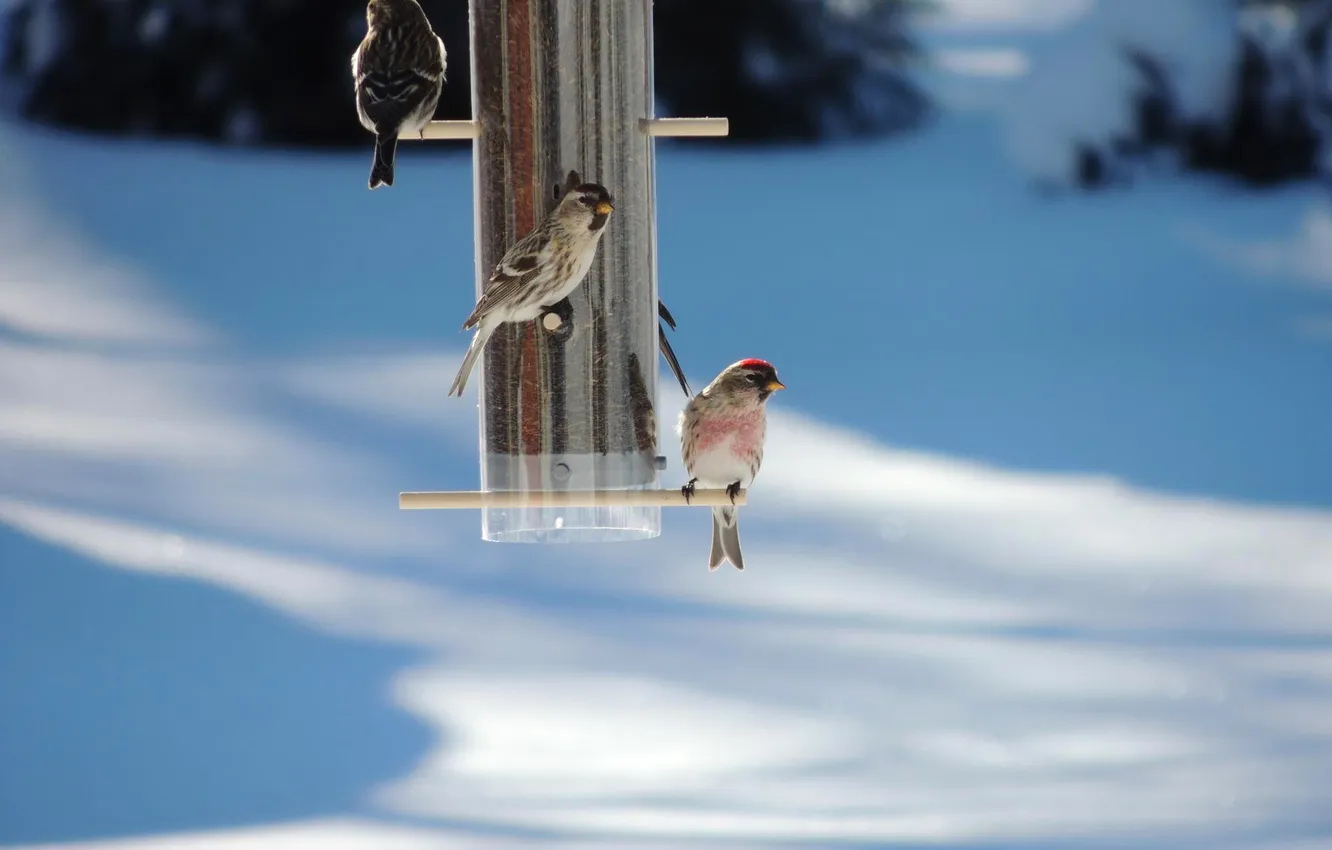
(398, 67)
(397, 85)
(512, 276)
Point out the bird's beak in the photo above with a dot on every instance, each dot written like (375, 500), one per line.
(774, 385)
(604, 208)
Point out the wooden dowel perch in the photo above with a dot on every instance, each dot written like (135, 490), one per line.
(660, 127)
(676, 127)
(443, 130)
(463, 499)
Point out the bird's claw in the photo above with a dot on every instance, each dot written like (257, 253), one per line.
(733, 490)
(688, 490)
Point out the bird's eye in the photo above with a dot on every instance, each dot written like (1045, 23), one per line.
(588, 200)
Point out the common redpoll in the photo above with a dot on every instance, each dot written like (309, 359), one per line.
(399, 73)
(721, 436)
(541, 269)
(667, 351)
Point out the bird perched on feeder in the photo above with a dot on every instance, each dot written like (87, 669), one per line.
(721, 436)
(540, 269)
(399, 73)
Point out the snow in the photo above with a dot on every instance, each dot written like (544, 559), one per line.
(1076, 93)
(995, 63)
(1318, 328)
(1006, 15)
(927, 647)
(1038, 556)
(43, 265)
(1303, 257)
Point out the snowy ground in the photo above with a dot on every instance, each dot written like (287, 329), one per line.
(1041, 555)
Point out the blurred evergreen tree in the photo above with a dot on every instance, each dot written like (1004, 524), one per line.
(277, 72)
(1279, 118)
(785, 70)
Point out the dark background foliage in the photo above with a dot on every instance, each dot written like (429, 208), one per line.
(277, 72)
(1273, 128)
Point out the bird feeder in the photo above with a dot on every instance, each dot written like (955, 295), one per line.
(569, 449)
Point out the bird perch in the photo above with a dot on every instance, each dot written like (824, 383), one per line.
(470, 499)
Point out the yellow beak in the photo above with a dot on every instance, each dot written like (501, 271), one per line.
(604, 208)
(775, 385)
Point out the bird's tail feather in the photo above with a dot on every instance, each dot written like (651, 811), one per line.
(469, 359)
(725, 539)
(672, 360)
(381, 173)
(665, 314)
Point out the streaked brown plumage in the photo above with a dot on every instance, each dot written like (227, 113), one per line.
(398, 71)
(540, 269)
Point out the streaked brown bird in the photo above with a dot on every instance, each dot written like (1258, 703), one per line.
(541, 269)
(399, 74)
